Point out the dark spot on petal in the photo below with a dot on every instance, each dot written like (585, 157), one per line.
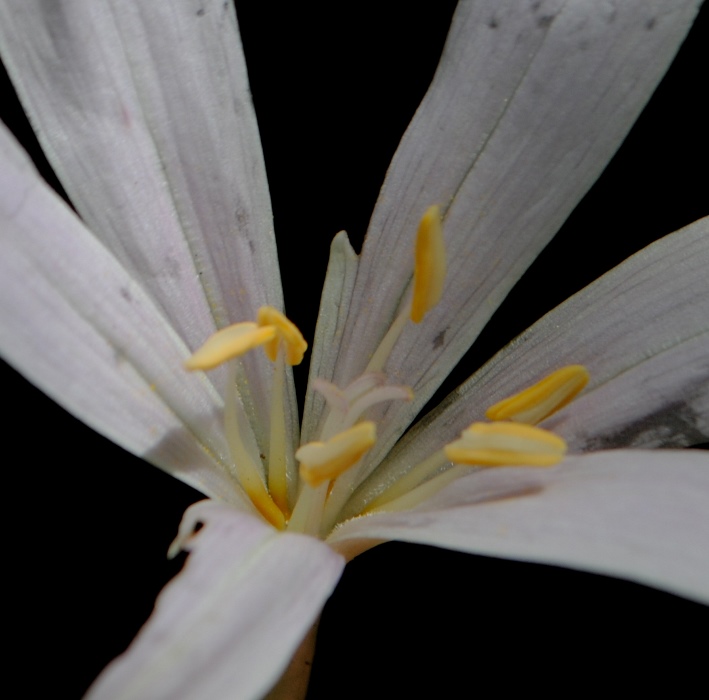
(650, 24)
(242, 218)
(493, 23)
(125, 293)
(544, 21)
(674, 425)
(439, 339)
(200, 12)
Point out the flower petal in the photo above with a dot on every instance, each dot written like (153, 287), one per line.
(662, 402)
(632, 514)
(526, 109)
(143, 110)
(230, 622)
(94, 341)
(641, 330)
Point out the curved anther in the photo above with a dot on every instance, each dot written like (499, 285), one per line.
(286, 332)
(544, 398)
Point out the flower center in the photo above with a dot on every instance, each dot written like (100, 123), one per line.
(328, 473)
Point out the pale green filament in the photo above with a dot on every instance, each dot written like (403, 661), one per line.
(238, 435)
(422, 472)
(428, 488)
(277, 462)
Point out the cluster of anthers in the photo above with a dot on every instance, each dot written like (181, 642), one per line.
(327, 467)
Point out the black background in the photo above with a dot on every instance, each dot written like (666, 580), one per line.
(89, 524)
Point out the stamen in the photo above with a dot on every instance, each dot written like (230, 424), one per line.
(228, 343)
(381, 354)
(287, 333)
(430, 264)
(546, 397)
(415, 477)
(322, 461)
(243, 451)
(290, 339)
(412, 498)
(506, 445)
(260, 497)
(277, 459)
(429, 275)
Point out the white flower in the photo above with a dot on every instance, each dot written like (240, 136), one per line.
(63, 351)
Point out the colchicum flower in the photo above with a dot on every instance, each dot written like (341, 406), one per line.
(157, 318)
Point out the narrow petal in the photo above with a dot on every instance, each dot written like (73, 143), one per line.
(638, 515)
(228, 624)
(642, 332)
(94, 341)
(144, 112)
(334, 305)
(527, 107)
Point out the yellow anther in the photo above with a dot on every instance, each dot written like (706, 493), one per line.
(538, 402)
(506, 445)
(228, 343)
(322, 461)
(287, 332)
(430, 264)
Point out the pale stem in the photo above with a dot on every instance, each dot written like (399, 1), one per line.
(293, 684)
